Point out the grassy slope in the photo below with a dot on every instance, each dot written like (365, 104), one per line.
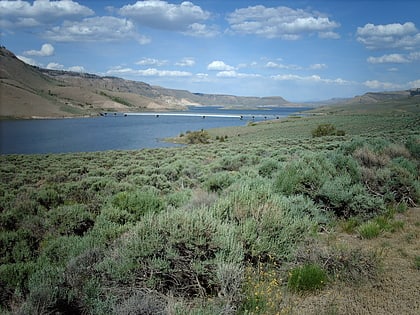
(222, 188)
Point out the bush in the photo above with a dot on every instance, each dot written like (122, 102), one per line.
(308, 277)
(413, 145)
(196, 137)
(176, 251)
(138, 203)
(341, 263)
(71, 219)
(142, 302)
(218, 182)
(327, 130)
(268, 168)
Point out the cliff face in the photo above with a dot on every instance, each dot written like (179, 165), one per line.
(28, 91)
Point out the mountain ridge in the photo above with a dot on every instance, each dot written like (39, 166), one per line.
(30, 91)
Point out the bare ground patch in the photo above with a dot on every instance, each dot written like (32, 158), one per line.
(396, 289)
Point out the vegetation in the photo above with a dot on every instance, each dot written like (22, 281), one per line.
(327, 130)
(219, 227)
(307, 277)
(116, 99)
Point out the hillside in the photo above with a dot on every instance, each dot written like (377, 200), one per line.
(406, 100)
(28, 91)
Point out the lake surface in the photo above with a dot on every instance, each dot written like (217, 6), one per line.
(119, 132)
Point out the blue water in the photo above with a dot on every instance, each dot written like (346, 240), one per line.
(117, 132)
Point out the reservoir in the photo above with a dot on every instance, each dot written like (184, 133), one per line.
(119, 131)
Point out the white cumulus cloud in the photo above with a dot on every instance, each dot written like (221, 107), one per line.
(26, 14)
(312, 78)
(151, 72)
(45, 51)
(201, 30)
(414, 84)
(395, 58)
(163, 15)
(275, 65)
(234, 74)
(104, 28)
(186, 62)
(219, 65)
(151, 62)
(57, 66)
(281, 22)
(391, 58)
(379, 85)
(27, 60)
(395, 35)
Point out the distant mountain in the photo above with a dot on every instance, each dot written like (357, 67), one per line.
(398, 102)
(28, 91)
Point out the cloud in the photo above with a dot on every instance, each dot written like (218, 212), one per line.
(163, 15)
(234, 74)
(46, 50)
(414, 84)
(318, 66)
(105, 28)
(378, 85)
(26, 14)
(392, 58)
(27, 60)
(77, 69)
(396, 35)
(312, 78)
(186, 62)
(218, 65)
(201, 30)
(151, 62)
(280, 22)
(151, 72)
(57, 66)
(395, 58)
(275, 65)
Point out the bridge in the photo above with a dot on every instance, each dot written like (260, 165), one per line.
(202, 115)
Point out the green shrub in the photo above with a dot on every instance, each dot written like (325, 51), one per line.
(197, 137)
(346, 199)
(176, 251)
(268, 168)
(417, 262)
(327, 130)
(71, 219)
(138, 203)
(142, 302)
(413, 145)
(341, 263)
(49, 198)
(369, 230)
(218, 181)
(308, 277)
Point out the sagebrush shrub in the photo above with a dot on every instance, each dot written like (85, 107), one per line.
(327, 130)
(218, 181)
(341, 263)
(138, 203)
(268, 168)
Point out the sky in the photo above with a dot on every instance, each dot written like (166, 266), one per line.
(300, 50)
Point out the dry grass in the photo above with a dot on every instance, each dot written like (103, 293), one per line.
(396, 289)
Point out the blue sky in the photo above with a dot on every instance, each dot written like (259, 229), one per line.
(300, 50)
